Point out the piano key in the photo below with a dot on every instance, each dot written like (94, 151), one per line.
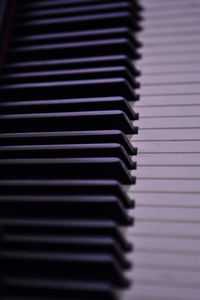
(75, 74)
(69, 105)
(65, 266)
(60, 64)
(169, 59)
(167, 171)
(40, 4)
(170, 111)
(187, 279)
(152, 4)
(166, 200)
(171, 49)
(21, 286)
(165, 186)
(168, 134)
(188, 67)
(167, 100)
(55, 244)
(68, 137)
(87, 21)
(79, 88)
(79, 10)
(168, 146)
(169, 122)
(71, 228)
(67, 151)
(108, 119)
(166, 261)
(169, 214)
(180, 29)
(176, 20)
(156, 292)
(180, 230)
(168, 79)
(168, 159)
(65, 168)
(106, 207)
(166, 245)
(65, 187)
(115, 46)
(179, 11)
(177, 89)
(72, 36)
(48, 4)
(158, 41)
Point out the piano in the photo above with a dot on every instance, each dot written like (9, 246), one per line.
(100, 150)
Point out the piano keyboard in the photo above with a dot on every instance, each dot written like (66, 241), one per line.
(99, 191)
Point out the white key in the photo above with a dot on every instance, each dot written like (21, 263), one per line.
(168, 159)
(169, 79)
(165, 186)
(170, 111)
(169, 135)
(167, 100)
(168, 214)
(168, 59)
(173, 89)
(167, 146)
(170, 49)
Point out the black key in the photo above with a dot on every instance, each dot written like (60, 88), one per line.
(74, 63)
(65, 187)
(65, 244)
(65, 168)
(80, 10)
(72, 50)
(63, 266)
(67, 151)
(82, 22)
(76, 89)
(110, 119)
(39, 289)
(68, 137)
(68, 105)
(70, 228)
(83, 35)
(26, 5)
(106, 207)
(74, 74)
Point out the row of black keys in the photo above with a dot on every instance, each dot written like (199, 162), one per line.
(65, 87)
(73, 241)
(78, 16)
(112, 77)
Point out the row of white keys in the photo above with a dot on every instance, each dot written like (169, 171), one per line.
(166, 232)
